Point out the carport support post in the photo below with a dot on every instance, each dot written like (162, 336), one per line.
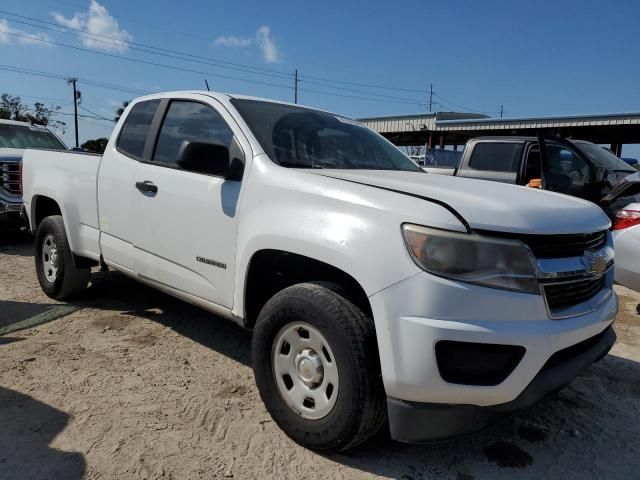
(442, 142)
(430, 144)
(616, 148)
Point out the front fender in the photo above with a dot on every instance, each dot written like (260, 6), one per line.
(351, 227)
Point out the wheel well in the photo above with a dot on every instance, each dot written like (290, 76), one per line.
(273, 270)
(45, 207)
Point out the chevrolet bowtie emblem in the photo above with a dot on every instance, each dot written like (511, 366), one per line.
(595, 262)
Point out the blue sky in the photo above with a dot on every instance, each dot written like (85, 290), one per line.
(533, 57)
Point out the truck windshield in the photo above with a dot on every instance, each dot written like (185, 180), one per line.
(603, 158)
(299, 137)
(23, 136)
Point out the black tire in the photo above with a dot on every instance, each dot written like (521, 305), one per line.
(69, 280)
(360, 408)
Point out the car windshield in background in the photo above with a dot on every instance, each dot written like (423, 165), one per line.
(603, 158)
(303, 138)
(21, 136)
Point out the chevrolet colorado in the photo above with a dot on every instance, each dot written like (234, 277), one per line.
(377, 293)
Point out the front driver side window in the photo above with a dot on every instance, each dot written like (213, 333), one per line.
(187, 120)
(563, 162)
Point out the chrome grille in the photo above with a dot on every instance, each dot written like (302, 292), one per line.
(561, 246)
(567, 294)
(10, 177)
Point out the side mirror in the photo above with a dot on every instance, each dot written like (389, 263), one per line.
(212, 159)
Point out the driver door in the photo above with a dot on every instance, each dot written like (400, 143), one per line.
(186, 222)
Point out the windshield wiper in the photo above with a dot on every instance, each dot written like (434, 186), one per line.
(299, 165)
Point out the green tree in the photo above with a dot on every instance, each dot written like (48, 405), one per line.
(12, 108)
(121, 110)
(96, 145)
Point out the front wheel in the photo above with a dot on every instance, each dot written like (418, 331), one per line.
(58, 276)
(316, 364)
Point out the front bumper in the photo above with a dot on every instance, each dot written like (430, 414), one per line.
(7, 208)
(412, 316)
(9, 204)
(423, 422)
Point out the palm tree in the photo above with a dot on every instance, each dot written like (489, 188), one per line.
(121, 110)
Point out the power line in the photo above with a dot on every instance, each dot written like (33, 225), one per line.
(359, 97)
(160, 51)
(199, 72)
(146, 24)
(250, 69)
(296, 79)
(368, 85)
(178, 55)
(95, 114)
(145, 62)
(401, 100)
(39, 73)
(194, 58)
(311, 82)
(472, 110)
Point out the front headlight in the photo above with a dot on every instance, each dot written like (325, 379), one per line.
(487, 261)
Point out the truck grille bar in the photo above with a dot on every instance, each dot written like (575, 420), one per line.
(10, 177)
(567, 294)
(560, 246)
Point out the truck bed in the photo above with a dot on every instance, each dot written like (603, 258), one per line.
(71, 176)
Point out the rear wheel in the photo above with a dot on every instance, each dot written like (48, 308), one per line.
(57, 274)
(316, 365)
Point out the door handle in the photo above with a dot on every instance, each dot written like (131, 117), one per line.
(147, 187)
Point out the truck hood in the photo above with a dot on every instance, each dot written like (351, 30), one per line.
(12, 154)
(487, 205)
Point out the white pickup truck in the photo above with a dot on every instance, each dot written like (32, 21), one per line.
(376, 292)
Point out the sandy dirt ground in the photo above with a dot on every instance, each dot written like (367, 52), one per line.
(131, 383)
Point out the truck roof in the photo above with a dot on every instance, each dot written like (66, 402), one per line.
(518, 138)
(225, 96)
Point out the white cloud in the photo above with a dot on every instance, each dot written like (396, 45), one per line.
(267, 45)
(8, 34)
(233, 41)
(98, 24)
(263, 40)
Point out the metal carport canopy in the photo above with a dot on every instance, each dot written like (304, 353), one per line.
(457, 128)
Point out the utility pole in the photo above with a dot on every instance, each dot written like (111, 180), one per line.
(295, 87)
(76, 96)
(501, 110)
(430, 96)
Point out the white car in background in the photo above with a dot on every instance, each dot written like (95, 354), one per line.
(626, 238)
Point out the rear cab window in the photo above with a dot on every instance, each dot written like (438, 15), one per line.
(133, 135)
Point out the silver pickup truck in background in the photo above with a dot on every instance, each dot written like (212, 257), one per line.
(15, 137)
(577, 168)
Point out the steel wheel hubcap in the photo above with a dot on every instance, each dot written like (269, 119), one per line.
(305, 370)
(50, 258)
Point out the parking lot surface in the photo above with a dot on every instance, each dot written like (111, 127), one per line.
(127, 382)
